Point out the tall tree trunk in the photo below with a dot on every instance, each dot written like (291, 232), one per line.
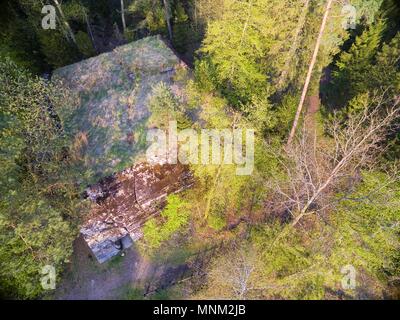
(89, 29)
(168, 18)
(65, 22)
(309, 74)
(123, 16)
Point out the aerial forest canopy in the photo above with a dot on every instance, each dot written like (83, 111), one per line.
(317, 81)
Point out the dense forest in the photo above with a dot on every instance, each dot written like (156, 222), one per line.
(321, 89)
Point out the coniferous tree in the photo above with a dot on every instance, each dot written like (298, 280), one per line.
(349, 78)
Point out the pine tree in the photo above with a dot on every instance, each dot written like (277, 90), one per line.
(386, 71)
(350, 76)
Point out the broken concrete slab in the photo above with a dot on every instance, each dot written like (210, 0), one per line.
(122, 203)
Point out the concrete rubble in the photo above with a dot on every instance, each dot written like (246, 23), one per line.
(122, 203)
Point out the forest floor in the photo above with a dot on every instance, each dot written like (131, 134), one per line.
(86, 279)
(311, 120)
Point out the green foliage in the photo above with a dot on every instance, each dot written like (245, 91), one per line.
(252, 46)
(235, 48)
(228, 197)
(367, 226)
(287, 260)
(350, 77)
(56, 50)
(244, 43)
(152, 15)
(205, 75)
(367, 10)
(216, 221)
(74, 10)
(175, 216)
(248, 72)
(369, 65)
(386, 71)
(17, 40)
(39, 198)
(260, 114)
(31, 46)
(181, 30)
(84, 44)
(54, 45)
(165, 107)
(33, 234)
(306, 263)
(285, 114)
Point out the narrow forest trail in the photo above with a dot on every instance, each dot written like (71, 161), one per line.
(310, 119)
(313, 105)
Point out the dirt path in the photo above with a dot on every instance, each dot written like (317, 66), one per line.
(313, 105)
(86, 279)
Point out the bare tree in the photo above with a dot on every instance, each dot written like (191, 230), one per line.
(234, 275)
(315, 173)
(240, 278)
